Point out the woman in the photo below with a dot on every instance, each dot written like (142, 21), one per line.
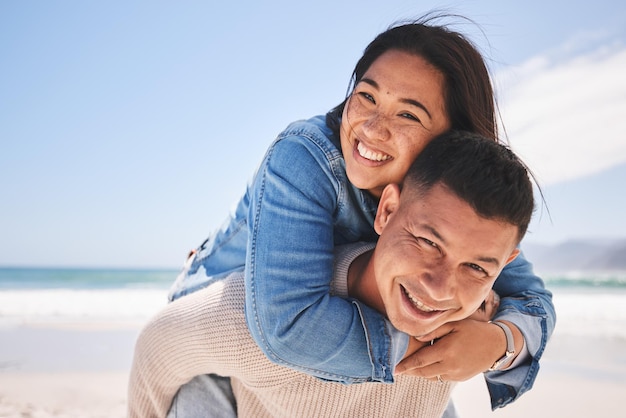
(318, 186)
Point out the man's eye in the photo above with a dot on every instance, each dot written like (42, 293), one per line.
(429, 242)
(476, 267)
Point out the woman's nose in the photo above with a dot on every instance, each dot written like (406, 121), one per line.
(376, 127)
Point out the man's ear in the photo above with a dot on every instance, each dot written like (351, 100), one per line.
(388, 204)
(513, 256)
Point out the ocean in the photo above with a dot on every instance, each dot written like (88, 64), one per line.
(587, 304)
(67, 295)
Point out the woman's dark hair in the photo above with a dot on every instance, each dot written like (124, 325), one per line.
(469, 97)
(485, 174)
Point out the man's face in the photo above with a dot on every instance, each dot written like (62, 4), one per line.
(436, 258)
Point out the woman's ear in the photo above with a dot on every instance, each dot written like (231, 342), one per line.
(388, 204)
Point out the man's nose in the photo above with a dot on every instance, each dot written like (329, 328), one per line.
(440, 281)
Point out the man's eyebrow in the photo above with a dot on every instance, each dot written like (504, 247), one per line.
(435, 233)
(407, 100)
(489, 260)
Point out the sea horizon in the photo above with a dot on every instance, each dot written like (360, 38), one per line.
(590, 304)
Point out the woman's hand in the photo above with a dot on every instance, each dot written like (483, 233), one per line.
(465, 349)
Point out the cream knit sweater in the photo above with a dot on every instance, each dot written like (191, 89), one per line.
(206, 332)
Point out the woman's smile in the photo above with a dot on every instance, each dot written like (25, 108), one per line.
(370, 154)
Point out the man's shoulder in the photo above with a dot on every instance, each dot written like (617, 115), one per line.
(344, 256)
(226, 297)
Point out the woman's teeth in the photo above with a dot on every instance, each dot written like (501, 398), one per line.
(371, 155)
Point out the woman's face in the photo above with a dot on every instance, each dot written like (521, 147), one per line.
(395, 110)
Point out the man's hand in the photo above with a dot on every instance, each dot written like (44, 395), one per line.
(462, 350)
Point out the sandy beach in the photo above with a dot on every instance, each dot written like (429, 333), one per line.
(579, 377)
(81, 370)
(65, 370)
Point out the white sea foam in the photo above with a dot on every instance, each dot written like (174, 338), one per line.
(591, 313)
(79, 305)
(585, 312)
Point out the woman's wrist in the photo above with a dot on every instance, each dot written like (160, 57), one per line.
(512, 344)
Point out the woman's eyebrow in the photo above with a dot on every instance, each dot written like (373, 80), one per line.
(370, 82)
(411, 102)
(417, 104)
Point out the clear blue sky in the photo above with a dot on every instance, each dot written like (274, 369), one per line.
(128, 129)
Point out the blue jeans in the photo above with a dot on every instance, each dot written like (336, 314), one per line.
(204, 396)
(212, 396)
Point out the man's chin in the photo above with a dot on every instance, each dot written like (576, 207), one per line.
(418, 332)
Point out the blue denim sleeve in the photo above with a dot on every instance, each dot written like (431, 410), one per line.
(527, 304)
(289, 266)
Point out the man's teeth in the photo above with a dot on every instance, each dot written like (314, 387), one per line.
(419, 305)
(371, 155)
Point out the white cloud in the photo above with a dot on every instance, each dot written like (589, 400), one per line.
(567, 117)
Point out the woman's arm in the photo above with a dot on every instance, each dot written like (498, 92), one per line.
(290, 313)
(527, 304)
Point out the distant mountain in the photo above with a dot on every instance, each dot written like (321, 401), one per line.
(592, 206)
(578, 255)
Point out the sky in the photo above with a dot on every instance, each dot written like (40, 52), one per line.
(128, 129)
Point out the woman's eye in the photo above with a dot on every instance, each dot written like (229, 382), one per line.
(367, 96)
(410, 116)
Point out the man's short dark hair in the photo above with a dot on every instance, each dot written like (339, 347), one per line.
(484, 173)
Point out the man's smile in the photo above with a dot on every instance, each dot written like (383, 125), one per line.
(418, 304)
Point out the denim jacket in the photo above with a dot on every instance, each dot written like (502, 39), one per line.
(298, 206)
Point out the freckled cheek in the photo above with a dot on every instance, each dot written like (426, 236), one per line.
(401, 168)
(410, 147)
(344, 129)
(355, 112)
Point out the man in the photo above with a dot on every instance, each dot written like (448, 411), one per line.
(445, 235)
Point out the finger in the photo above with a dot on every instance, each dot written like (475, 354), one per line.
(420, 362)
(429, 372)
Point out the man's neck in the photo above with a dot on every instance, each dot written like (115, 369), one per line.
(362, 283)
